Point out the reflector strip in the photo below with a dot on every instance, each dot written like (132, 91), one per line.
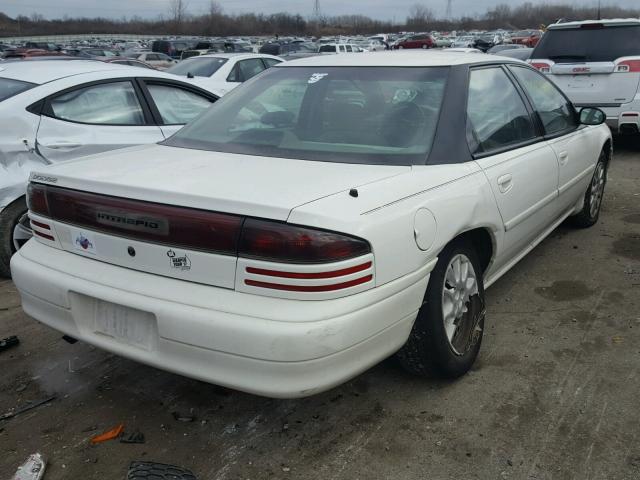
(44, 235)
(41, 225)
(310, 275)
(309, 288)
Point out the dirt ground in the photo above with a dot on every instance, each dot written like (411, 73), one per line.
(554, 394)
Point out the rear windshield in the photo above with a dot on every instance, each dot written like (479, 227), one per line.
(589, 44)
(373, 115)
(327, 48)
(9, 87)
(198, 67)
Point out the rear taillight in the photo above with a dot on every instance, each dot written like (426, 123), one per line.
(37, 199)
(541, 66)
(628, 66)
(196, 229)
(280, 242)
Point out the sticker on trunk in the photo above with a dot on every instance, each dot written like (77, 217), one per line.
(83, 240)
(179, 262)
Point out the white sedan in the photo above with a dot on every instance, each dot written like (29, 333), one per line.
(362, 213)
(53, 111)
(223, 71)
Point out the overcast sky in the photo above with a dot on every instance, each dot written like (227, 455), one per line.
(383, 9)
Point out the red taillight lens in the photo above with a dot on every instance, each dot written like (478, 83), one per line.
(37, 199)
(157, 223)
(543, 67)
(628, 66)
(281, 242)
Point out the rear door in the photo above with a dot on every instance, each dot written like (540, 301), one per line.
(576, 150)
(594, 64)
(173, 104)
(519, 165)
(93, 118)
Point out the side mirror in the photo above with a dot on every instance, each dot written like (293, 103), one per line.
(592, 116)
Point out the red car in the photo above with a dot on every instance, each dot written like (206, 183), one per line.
(528, 38)
(421, 40)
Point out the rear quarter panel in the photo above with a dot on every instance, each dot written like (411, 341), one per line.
(384, 213)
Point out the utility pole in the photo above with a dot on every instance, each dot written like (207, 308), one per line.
(599, 10)
(316, 9)
(449, 13)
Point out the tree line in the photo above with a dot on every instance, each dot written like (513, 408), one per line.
(179, 20)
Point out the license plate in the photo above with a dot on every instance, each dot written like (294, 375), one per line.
(126, 325)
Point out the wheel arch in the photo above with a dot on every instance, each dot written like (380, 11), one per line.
(483, 243)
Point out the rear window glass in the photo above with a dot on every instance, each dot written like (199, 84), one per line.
(9, 87)
(589, 44)
(198, 67)
(372, 115)
(327, 48)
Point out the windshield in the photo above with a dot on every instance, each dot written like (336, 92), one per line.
(373, 115)
(589, 44)
(9, 87)
(198, 66)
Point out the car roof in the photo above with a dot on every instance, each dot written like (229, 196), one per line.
(392, 59)
(613, 22)
(45, 71)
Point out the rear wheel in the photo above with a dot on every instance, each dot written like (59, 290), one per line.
(590, 212)
(447, 334)
(14, 232)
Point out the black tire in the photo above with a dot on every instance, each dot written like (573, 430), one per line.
(588, 216)
(9, 218)
(428, 351)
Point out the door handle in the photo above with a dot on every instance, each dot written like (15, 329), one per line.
(505, 182)
(60, 145)
(563, 156)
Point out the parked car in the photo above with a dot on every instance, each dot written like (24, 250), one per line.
(517, 53)
(323, 217)
(339, 48)
(422, 40)
(54, 111)
(486, 42)
(289, 50)
(223, 71)
(466, 41)
(96, 53)
(22, 53)
(596, 63)
(172, 48)
(156, 60)
(528, 38)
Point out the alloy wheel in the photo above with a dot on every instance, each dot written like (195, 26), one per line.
(461, 304)
(597, 189)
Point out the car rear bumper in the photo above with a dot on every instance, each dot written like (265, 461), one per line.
(261, 345)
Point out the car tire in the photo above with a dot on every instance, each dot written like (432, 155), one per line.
(400, 47)
(442, 345)
(590, 212)
(9, 219)
(425, 46)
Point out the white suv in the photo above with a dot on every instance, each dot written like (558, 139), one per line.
(596, 63)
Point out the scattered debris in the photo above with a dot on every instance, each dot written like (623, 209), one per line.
(9, 342)
(617, 339)
(32, 469)
(159, 471)
(109, 435)
(184, 418)
(90, 428)
(25, 408)
(21, 388)
(133, 437)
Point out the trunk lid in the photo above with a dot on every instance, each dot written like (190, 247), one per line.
(172, 239)
(223, 182)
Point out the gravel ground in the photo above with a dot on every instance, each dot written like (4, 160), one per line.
(554, 394)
